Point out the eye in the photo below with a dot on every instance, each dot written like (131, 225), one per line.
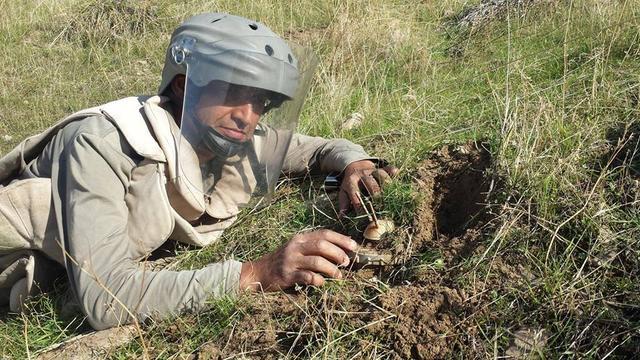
(260, 98)
(263, 101)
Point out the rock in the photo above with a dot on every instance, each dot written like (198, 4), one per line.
(526, 342)
(354, 121)
(489, 10)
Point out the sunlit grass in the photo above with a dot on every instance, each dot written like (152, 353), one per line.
(551, 89)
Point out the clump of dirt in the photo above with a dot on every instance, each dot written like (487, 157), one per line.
(427, 317)
(90, 346)
(413, 310)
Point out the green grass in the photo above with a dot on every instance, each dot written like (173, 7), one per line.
(551, 89)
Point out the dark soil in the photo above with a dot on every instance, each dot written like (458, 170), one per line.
(416, 309)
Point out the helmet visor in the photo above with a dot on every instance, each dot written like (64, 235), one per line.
(236, 127)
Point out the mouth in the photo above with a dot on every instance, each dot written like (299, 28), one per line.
(234, 134)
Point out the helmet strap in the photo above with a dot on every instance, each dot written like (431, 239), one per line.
(219, 145)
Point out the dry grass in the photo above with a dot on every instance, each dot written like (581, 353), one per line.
(554, 89)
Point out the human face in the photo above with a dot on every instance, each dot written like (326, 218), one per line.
(232, 110)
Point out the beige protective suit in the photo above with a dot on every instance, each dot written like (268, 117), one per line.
(100, 190)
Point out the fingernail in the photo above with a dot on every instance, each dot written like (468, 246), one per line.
(345, 262)
(354, 245)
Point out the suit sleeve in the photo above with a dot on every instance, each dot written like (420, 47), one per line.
(102, 261)
(319, 155)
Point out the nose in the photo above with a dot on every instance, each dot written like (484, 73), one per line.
(245, 115)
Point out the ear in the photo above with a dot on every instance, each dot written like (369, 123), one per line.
(177, 85)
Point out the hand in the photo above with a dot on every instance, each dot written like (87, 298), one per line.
(362, 173)
(305, 260)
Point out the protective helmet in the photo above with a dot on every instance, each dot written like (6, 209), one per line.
(244, 90)
(237, 50)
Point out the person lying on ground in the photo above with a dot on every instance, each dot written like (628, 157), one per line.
(97, 192)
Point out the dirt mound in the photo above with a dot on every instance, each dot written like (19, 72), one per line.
(426, 320)
(416, 310)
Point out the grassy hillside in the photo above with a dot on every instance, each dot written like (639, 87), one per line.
(549, 88)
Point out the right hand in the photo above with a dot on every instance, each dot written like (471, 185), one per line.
(365, 175)
(305, 260)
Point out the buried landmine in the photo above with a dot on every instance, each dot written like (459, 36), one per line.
(413, 308)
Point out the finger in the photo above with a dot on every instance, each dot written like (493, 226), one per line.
(320, 265)
(305, 277)
(343, 202)
(350, 188)
(327, 250)
(391, 170)
(370, 184)
(381, 176)
(333, 237)
(355, 200)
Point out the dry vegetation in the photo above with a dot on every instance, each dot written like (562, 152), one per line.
(515, 124)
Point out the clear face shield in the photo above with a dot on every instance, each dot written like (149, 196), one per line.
(239, 113)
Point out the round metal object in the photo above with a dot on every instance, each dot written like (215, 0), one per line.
(374, 232)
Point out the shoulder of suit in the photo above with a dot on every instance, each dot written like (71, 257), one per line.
(129, 117)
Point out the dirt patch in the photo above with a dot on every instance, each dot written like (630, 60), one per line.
(414, 310)
(93, 345)
(431, 311)
(426, 320)
(454, 189)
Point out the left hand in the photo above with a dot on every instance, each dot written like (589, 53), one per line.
(362, 173)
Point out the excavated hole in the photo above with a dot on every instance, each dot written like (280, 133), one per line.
(462, 188)
(455, 186)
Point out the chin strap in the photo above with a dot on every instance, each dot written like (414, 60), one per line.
(226, 148)
(221, 146)
(215, 142)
